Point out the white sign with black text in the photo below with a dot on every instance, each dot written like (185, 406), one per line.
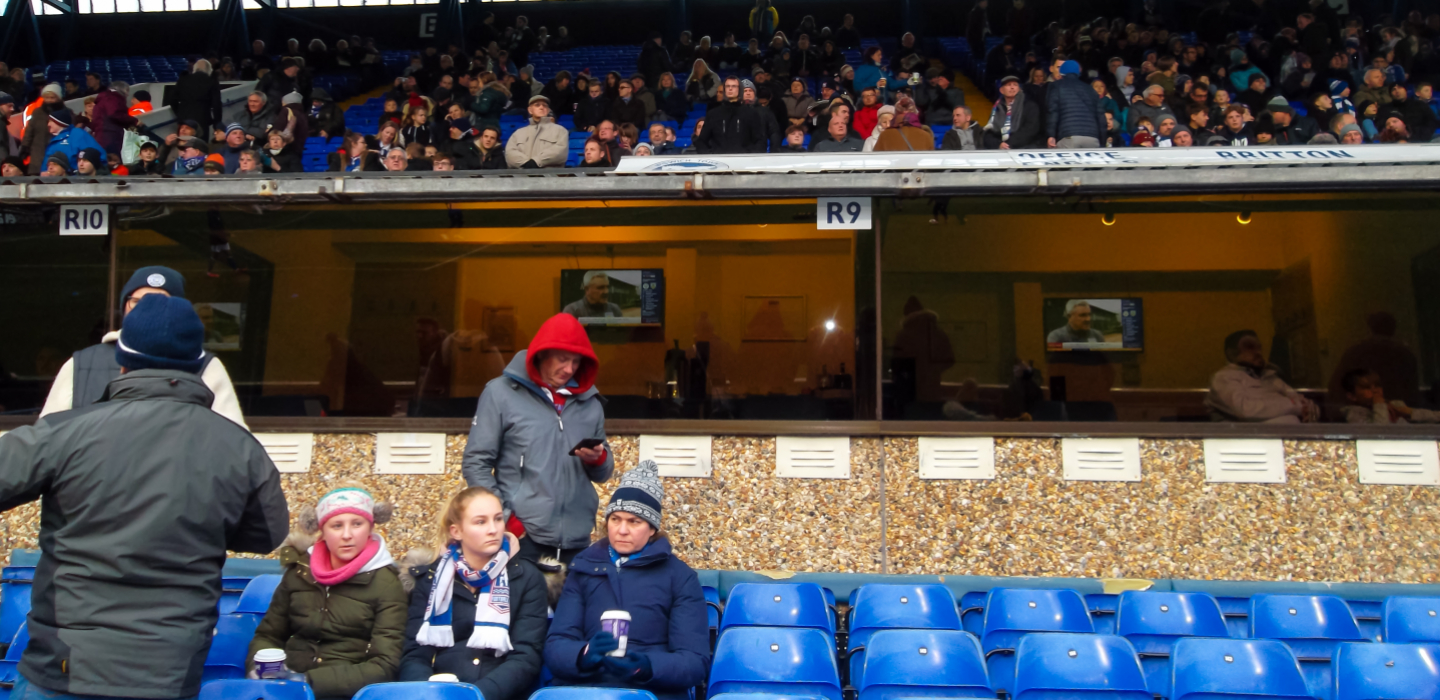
(842, 212)
(84, 219)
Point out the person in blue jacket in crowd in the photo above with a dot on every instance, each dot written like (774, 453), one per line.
(65, 138)
(632, 570)
(873, 73)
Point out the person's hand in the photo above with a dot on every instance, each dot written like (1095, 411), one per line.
(1051, 142)
(590, 454)
(881, 83)
(171, 139)
(632, 666)
(1004, 146)
(594, 652)
(324, 135)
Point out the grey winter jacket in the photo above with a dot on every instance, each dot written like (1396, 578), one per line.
(519, 447)
(140, 497)
(1073, 109)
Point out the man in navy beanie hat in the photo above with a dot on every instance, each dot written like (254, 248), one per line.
(1073, 115)
(141, 495)
(83, 378)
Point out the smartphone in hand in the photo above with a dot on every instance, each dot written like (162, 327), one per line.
(587, 444)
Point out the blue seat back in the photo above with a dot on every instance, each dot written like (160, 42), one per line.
(18, 643)
(712, 607)
(256, 598)
(923, 663)
(1010, 613)
(242, 689)
(581, 693)
(879, 606)
(16, 582)
(1299, 617)
(1387, 671)
(232, 587)
(419, 691)
(1221, 669)
(230, 647)
(776, 605)
(785, 660)
(1404, 620)
(1153, 621)
(762, 696)
(1068, 666)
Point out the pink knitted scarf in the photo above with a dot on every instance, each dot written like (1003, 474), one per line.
(326, 576)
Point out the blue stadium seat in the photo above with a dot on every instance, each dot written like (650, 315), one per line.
(1101, 605)
(256, 690)
(762, 696)
(580, 693)
(1367, 617)
(231, 588)
(419, 691)
(776, 605)
(256, 598)
(713, 608)
(880, 606)
(1236, 669)
(1011, 613)
(9, 667)
(1237, 615)
(784, 660)
(972, 609)
(1313, 626)
(1073, 666)
(16, 582)
(230, 647)
(1387, 671)
(1403, 620)
(1154, 621)
(916, 663)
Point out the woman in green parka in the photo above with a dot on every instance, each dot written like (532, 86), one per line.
(339, 612)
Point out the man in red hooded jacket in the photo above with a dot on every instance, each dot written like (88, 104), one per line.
(524, 438)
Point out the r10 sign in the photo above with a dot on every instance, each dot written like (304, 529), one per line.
(84, 219)
(842, 212)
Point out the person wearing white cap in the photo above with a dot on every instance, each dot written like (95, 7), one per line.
(37, 125)
(542, 143)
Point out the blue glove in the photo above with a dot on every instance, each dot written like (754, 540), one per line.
(594, 652)
(632, 666)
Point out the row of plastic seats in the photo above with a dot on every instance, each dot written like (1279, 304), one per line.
(950, 663)
(289, 690)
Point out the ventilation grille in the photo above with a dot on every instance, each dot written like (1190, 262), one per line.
(410, 453)
(1110, 459)
(812, 458)
(678, 455)
(957, 458)
(291, 452)
(1245, 461)
(1400, 462)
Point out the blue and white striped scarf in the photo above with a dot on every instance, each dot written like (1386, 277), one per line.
(492, 602)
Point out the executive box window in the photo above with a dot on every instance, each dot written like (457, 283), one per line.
(740, 310)
(1119, 310)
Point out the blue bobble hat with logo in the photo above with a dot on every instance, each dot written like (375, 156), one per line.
(157, 277)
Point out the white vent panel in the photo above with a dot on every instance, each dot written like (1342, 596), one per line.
(812, 457)
(678, 455)
(1101, 459)
(291, 452)
(410, 453)
(1399, 462)
(1245, 461)
(957, 458)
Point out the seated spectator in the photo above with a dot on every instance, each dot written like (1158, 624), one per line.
(1241, 70)
(1374, 88)
(339, 611)
(626, 109)
(1365, 397)
(232, 143)
(386, 138)
(732, 127)
(140, 103)
(90, 163)
(887, 117)
(327, 119)
(478, 611)
(1367, 116)
(542, 143)
(560, 93)
(1419, 119)
(277, 157)
(872, 71)
(1340, 96)
(660, 142)
(399, 161)
(443, 162)
(12, 166)
(592, 109)
(1250, 390)
(1351, 135)
(627, 136)
(794, 140)
(702, 86)
(906, 133)
(418, 128)
(670, 102)
(291, 118)
(1257, 95)
(1290, 128)
(149, 163)
(643, 149)
(1320, 111)
(1014, 122)
(668, 651)
(214, 165)
(1234, 130)
(797, 103)
(485, 152)
(644, 95)
(937, 98)
(964, 134)
(56, 165)
(838, 138)
(250, 164)
(695, 137)
(1395, 130)
(1152, 105)
(257, 117)
(1197, 120)
(66, 139)
(1182, 138)
(390, 112)
(355, 156)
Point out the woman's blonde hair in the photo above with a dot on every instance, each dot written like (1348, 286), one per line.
(454, 512)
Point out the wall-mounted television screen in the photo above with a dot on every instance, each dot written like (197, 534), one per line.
(1093, 324)
(614, 297)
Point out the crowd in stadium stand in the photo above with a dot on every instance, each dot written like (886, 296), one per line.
(1317, 79)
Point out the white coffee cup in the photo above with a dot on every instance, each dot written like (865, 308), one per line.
(270, 664)
(444, 678)
(616, 622)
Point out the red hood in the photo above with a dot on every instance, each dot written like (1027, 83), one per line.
(563, 332)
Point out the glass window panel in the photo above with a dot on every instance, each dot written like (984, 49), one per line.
(102, 6)
(327, 3)
(177, 5)
(252, 5)
(152, 5)
(127, 5)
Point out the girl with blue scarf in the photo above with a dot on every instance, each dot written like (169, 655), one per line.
(477, 612)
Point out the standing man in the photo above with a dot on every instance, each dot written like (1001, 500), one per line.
(1073, 113)
(84, 378)
(731, 127)
(140, 497)
(526, 442)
